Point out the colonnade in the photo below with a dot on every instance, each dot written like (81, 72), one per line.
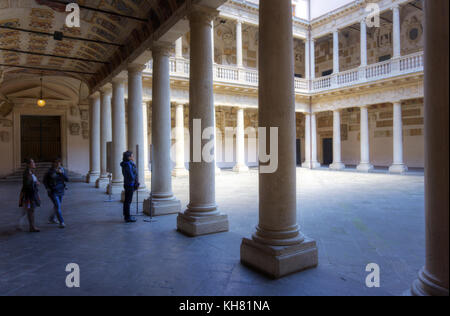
(311, 159)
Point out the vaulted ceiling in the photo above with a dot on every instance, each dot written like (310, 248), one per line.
(27, 30)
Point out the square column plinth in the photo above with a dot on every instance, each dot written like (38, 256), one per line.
(159, 207)
(202, 225)
(279, 261)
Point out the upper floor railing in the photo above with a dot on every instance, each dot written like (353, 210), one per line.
(179, 67)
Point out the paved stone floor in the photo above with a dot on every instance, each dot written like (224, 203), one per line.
(356, 219)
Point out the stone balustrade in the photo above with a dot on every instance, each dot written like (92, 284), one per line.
(179, 68)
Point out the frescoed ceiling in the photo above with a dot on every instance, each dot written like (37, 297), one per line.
(49, 16)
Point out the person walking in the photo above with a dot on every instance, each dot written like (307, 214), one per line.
(55, 182)
(131, 184)
(29, 196)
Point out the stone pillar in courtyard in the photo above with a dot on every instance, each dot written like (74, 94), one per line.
(314, 162)
(363, 43)
(180, 168)
(307, 163)
(136, 124)
(162, 200)
(336, 51)
(202, 215)
(94, 139)
(434, 277)
(105, 135)
(278, 248)
(240, 143)
(147, 172)
(337, 160)
(312, 49)
(119, 144)
(239, 54)
(365, 165)
(398, 165)
(396, 31)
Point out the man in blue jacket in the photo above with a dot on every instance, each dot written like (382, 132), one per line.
(55, 183)
(130, 183)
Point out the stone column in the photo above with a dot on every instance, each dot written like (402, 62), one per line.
(313, 58)
(365, 165)
(240, 143)
(118, 135)
(396, 31)
(307, 59)
(307, 163)
(180, 168)
(213, 54)
(433, 278)
(277, 248)
(202, 215)
(337, 161)
(94, 144)
(239, 58)
(105, 135)
(363, 43)
(162, 201)
(179, 48)
(147, 172)
(336, 51)
(136, 123)
(398, 166)
(314, 162)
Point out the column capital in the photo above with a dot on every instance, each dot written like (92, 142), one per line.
(94, 95)
(201, 14)
(135, 68)
(106, 89)
(398, 102)
(118, 80)
(161, 49)
(395, 7)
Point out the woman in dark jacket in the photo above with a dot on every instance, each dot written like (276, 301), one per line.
(131, 184)
(29, 196)
(55, 183)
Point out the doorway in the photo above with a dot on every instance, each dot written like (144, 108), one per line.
(40, 138)
(327, 150)
(299, 152)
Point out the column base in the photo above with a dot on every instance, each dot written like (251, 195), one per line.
(364, 167)
(159, 207)
(311, 165)
(426, 286)
(398, 168)
(114, 188)
(337, 166)
(241, 168)
(218, 170)
(180, 172)
(279, 261)
(196, 226)
(102, 182)
(143, 195)
(91, 178)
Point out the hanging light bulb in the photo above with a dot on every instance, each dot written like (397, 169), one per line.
(41, 102)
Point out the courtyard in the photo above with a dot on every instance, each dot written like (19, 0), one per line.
(355, 218)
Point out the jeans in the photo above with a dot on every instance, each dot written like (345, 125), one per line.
(129, 191)
(57, 201)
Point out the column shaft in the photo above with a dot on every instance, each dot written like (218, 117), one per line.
(307, 59)
(202, 216)
(307, 163)
(336, 51)
(396, 31)
(364, 164)
(240, 143)
(162, 201)
(180, 168)
(136, 123)
(94, 139)
(433, 278)
(337, 160)
(313, 59)
(277, 248)
(398, 166)
(147, 172)
(314, 163)
(118, 135)
(363, 42)
(179, 48)
(105, 136)
(239, 55)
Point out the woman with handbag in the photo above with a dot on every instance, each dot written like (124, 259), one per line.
(29, 196)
